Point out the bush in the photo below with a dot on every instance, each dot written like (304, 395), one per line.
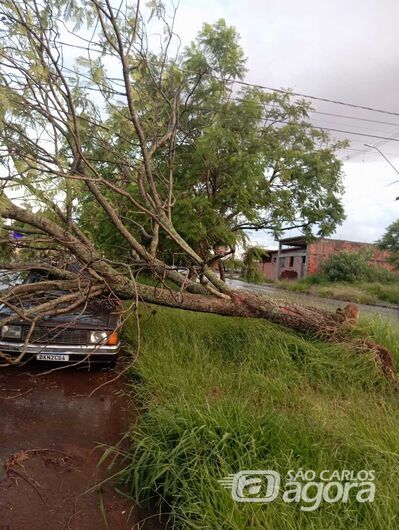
(232, 264)
(251, 272)
(355, 267)
(379, 274)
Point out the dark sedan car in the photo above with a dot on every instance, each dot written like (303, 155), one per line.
(86, 334)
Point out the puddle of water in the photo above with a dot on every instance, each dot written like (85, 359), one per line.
(49, 430)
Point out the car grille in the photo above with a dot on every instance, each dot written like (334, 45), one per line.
(56, 335)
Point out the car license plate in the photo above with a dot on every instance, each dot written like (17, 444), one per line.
(52, 357)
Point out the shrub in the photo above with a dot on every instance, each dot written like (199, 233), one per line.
(351, 267)
(233, 265)
(252, 257)
(379, 274)
(390, 241)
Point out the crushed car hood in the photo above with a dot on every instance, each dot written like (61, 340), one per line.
(97, 313)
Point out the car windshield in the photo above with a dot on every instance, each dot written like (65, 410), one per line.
(11, 278)
(35, 276)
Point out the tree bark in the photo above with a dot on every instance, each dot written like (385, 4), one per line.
(241, 304)
(221, 270)
(324, 325)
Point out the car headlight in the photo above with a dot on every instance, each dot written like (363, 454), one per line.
(11, 332)
(98, 336)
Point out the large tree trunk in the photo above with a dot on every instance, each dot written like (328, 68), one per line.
(242, 304)
(325, 325)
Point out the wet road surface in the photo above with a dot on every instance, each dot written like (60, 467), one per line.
(49, 432)
(390, 311)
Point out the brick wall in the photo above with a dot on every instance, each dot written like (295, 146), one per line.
(321, 250)
(268, 270)
(317, 253)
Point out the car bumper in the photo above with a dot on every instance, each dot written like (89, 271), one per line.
(75, 353)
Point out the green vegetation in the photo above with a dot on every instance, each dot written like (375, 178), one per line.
(372, 293)
(252, 257)
(390, 241)
(349, 276)
(221, 395)
(233, 265)
(349, 266)
(235, 167)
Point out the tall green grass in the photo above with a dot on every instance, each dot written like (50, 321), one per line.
(359, 292)
(221, 395)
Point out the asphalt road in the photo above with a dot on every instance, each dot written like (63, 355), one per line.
(50, 429)
(391, 312)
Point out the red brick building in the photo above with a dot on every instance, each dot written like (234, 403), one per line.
(297, 258)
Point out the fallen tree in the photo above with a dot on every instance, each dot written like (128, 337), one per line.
(90, 153)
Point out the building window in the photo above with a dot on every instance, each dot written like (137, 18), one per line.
(303, 259)
(274, 260)
(291, 261)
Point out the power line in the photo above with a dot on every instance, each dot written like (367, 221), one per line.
(392, 139)
(287, 122)
(263, 87)
(239, 82)
(385, 139)
(377, 144)
(356, 133)
(244, 83)
(316, 98)
(357, 118)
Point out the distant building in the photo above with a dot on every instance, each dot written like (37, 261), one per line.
(297, 258)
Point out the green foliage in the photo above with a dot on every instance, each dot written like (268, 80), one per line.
(221, 394)
(218, 44)
(233, 264)
(255, 175)
(239, 159)
(348, 266)
(252, 257)
(248, 160)
(349, 276)
(390, 241)
(304, 285)
(374, 293)
(387, 292)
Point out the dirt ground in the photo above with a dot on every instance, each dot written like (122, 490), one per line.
(50, 429)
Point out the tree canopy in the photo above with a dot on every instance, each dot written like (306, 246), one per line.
(390, 241)
(121, 149)
(243, 159)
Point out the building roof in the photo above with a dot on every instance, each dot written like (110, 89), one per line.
(302, 241)
(298, 241)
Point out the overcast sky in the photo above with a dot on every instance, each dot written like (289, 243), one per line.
(338, 49)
